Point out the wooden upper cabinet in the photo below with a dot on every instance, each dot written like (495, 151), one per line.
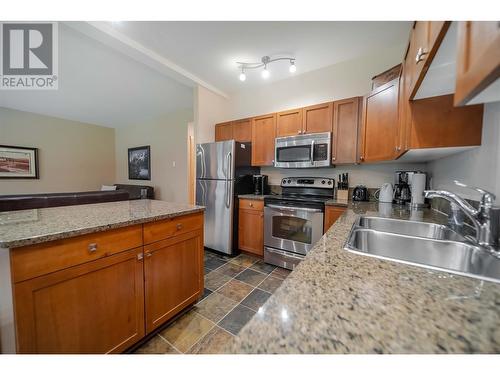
(317, 118)
(95, 307)
(289, 123)
(478, 60)
(435, 122)
(173, 274)
(425, 39)
(346, 115)
(380, 123)
(223, 131)
(263, 135)
(242, 130)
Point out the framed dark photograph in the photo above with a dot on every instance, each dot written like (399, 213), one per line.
(139, 163)
(18, 162)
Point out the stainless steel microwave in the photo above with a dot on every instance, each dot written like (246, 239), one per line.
(303, 151)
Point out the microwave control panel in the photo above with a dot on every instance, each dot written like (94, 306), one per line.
(320, 152)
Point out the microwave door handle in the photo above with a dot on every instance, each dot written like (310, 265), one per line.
(312, 152)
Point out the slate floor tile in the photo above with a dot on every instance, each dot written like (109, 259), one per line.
(215, 306)
(251, 277)
(214, 342)
(262, 267)
(270, 284)
(156, 345)
(235, 290)
(214, 280)
(230, 269)
(256, 299)
(236, 319)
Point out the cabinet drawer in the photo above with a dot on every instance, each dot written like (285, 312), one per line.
(160, 230)
(252, 204)
(36, 260)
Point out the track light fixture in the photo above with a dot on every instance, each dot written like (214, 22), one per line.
(265, 61)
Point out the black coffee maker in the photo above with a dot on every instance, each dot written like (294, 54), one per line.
(260, 186)
(402, 191)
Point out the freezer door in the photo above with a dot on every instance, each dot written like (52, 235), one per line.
(217, 197)
(215, 160)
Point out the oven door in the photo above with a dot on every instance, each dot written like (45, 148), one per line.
(291, 228)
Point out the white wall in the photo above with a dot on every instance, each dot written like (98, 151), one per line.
(209, 109)
(339, 81)
(72, 156)
(370, 175)
(167, 137)
(477, 167)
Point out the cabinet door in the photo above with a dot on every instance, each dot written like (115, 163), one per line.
(289, 123)
(173, 275)
(332, 213)
(223, 132)
(242, 130)
(345, 130)
(380, 123)
(96, 307)
(478, 59)
(251, 231)
(318, 118)
(263, 135)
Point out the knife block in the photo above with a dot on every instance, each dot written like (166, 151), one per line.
(342, 194)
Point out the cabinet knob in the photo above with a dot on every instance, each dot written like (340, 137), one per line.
(361, 158)
(92, 247)
(299, 132)
(179, 226)
(140, 256)
(251, 204)
(333, 158)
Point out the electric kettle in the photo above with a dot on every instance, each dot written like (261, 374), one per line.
(385, 193)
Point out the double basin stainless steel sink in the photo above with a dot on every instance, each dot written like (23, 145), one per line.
(422, 244)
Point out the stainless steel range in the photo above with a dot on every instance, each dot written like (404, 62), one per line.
(293, 221)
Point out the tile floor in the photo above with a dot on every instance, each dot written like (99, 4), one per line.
(235, 288)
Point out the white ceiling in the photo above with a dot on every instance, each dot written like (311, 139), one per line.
(210, 50)
(101, 86)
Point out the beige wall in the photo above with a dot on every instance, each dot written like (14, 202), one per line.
(167, 138)
(209, 109)
(73, 156)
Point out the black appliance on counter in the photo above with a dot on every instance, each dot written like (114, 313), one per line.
(360, 194)
(260, 184)
(293, 221)
(402, 191)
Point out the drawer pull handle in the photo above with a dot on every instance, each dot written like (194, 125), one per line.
(92, 247)
(251, 204)
(148, 255)
(140, 256)
(179, 226)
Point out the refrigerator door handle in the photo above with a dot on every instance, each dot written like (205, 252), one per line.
(229, 171)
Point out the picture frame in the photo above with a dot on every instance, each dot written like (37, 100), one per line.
(18, 162)
(139, 163)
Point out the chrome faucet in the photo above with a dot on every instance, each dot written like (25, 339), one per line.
(486, 218)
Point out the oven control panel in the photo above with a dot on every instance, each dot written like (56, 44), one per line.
(313, 182)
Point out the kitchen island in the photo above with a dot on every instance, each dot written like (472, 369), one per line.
(96, 278)
(339, 302)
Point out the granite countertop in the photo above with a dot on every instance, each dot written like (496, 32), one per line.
(28, 227)
(339, 302)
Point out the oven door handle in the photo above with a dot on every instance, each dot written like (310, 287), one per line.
(285, 208)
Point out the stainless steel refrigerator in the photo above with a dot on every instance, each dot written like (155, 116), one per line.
(223, 170)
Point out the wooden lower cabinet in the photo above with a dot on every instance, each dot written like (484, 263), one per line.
(251, 227)
(332, 213)
(96, 307)
(96, 294)
(173, 274)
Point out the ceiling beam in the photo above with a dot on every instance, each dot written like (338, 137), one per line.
(108, 35)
